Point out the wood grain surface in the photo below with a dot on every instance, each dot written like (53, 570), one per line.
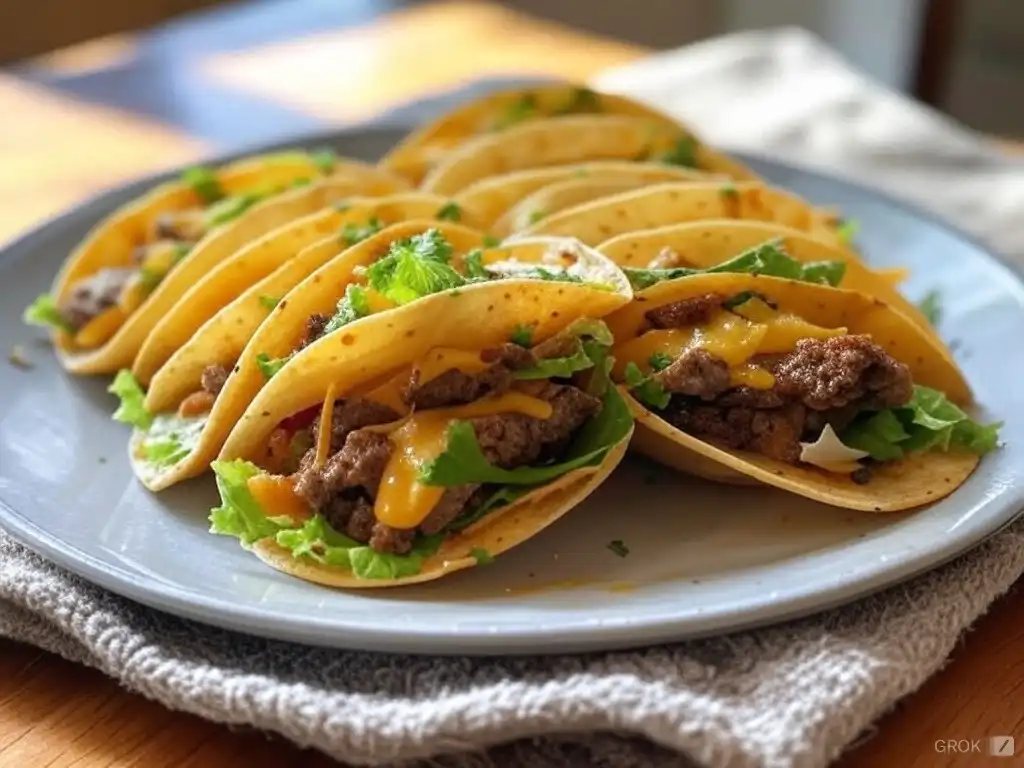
(57, 148)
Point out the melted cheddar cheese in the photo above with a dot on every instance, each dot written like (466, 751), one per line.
(402, 500)
(323, 438)
(443, 359)
(100, 329)
(753, 328)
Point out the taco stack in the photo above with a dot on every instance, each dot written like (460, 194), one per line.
(136, 264)
(439, 429)
(824, 392)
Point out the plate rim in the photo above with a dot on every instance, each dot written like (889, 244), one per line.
(255, 620)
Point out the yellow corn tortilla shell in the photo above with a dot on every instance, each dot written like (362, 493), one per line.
(310, 222)
(557, 197)
(476, 316)
(495, 533)
(566, 140)
(490, 198)
(660, 205)
(311, 282)
(112, 241)
(704, 244)
(414, 156)
(894, 486)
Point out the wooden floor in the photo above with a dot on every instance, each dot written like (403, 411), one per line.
(86, 119)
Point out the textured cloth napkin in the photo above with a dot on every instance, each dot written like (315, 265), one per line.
(792, 695)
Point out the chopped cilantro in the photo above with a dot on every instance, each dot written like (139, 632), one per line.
(522, 335)
(931, 307)
(353, 233)
(523, 108)
(269, 366)
(269, 301)
(684, 153)
(324, 160)
(618, 547)
(414, 268)
(473, 264)
(353, 305)
(482, 556)
(659, 361)
(647, 390)
(537, 215)
(581, 101)
(491, 241)
(204, 183)
(730, 192)
(449, 212)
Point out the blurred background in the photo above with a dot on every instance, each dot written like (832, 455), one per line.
(98, 91)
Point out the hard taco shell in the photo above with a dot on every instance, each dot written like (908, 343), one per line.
(898, 485)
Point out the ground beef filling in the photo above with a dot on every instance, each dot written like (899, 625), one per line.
(213, 378)
(345, 489)
(95, 294)
(685, 313)
(823, 381)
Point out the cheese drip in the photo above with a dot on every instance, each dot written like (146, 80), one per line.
(402, 500)
(736, 336)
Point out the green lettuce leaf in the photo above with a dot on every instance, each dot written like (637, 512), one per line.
(500, 498)
(166, 452)
(318, 541)
(928, 422)
(204, 183)
(769, 259)
(240, 515)
(482, 556)
(579, 360)
(230, 208)
(44, 312)
(353, 233)
(269, 366)
(463, 461)
(646, 389)
(324, 160)
(522, 335)
(132, 409)
(353, 305)
(414, 268)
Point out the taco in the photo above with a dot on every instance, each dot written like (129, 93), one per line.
(493, 196)
(422, 149)
(820, 391)
(432, 436)
(758, 247)
(192, 404)
(578, 139)
(135, 264)
(660, 205)
(349, 220)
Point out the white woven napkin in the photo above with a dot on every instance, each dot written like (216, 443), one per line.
(792, 695)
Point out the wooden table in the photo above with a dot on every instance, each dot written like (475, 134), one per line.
(66, 135)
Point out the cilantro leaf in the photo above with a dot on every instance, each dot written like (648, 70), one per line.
(204, 183)
(151, 278)
(645, 389)
(659, 361)
(519, 110)
(769, 259)
(353, 305)
(324, 160)
(269, 301)
(536, 215)
(931, 307)
(450, 211)
(491, 241)
(683, 154)
(482, 556)
(473, 264)
(269, 366)
(522, 335)
(353, 233)
(581, 101)
(415, 268)
(847, 230)
(618, 547)
(44, 312)
(132, 409)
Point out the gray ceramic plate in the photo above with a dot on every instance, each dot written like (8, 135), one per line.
(702, 559)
